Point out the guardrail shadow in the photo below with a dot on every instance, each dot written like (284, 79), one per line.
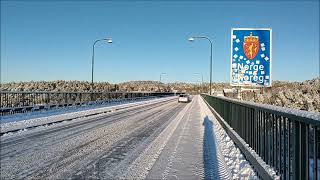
(210, 158)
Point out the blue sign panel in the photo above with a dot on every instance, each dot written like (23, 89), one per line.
(251, 55)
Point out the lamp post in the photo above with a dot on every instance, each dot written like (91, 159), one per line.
(191, 39)
(109, 40)
(161, 75)
(201, 79)
(161, 79)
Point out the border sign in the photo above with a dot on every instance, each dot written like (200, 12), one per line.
(251, 56)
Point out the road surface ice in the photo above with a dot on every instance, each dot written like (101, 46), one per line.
(160, 140)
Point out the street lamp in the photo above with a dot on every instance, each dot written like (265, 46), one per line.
(191, 39)
(161, 75)
(201, 79)
(160, 80)
(109, 40)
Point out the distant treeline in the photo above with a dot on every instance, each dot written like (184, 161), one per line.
(300, 95)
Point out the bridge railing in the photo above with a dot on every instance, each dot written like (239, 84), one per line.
(24, 101)
(286, 139)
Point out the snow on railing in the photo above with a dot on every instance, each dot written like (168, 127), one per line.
(286, 139)
(24, 101)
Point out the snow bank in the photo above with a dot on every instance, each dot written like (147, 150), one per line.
(239, 167)
(68, 109)
(63, 115)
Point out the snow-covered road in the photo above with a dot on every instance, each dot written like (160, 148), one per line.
(162, 140)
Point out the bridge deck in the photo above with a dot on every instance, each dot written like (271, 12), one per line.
(163, 139)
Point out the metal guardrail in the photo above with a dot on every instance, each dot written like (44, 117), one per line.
(23, 101)
(287, 140)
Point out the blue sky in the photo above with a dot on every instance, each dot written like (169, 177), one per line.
(53, 40)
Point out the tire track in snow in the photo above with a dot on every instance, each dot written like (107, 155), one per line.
(168, 168)
(107, 165)
(35, 163)
(71, 130)
(70, 160)
(140, 168)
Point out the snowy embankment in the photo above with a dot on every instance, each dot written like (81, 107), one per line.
(23, 121)
(234, 160)
(69, 109)
(227, 143)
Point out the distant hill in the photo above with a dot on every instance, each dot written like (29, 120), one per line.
(300, 95)
(84, 86)
(59, 85)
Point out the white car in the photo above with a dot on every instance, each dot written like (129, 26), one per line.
(184, 98)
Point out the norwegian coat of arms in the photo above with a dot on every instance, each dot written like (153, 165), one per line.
(251, 56)
(251, 46)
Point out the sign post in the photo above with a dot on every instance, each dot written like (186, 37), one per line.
(251, 57)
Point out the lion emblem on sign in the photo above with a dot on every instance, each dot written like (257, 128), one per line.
(251, 46)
